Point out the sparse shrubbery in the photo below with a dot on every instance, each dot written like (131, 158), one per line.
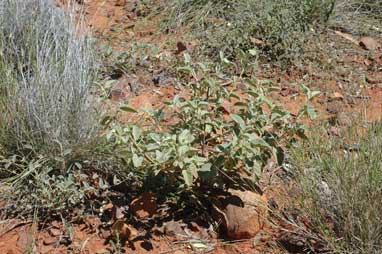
(342, 181)
(280, 29)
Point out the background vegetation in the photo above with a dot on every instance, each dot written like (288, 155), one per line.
(342, 181)
(279, 29)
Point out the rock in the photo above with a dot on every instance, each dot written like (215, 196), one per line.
(120, 2)
(374, 79)
(244, 214)
(56, 224)
(49, 241)
(118, 91)
(123, 230)
(369, 43)
(332, 108)
(174, 229)
(346, 36)
(25, 240)
(144, 206)
(337, 96)
(45, 249)
(54, 232)
(334, 131)
(104, 233)
(180, 47)
(179, 252)
(103, 251)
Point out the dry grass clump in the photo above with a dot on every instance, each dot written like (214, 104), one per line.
(342, 181)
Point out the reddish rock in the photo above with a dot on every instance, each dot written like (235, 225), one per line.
(374, 79)
(369, 43)
(54, 232)
(144, 206)
(25, 240)
(123, 230)
(120, 2)
(174, 229)
(49, 241)
(245, 215)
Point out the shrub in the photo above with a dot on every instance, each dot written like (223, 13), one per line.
(281, 27)
(220, 137)
(47, 69)
(342, 179)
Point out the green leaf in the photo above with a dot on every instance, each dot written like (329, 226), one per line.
(106, 120)
(206, 167)
(187, 58)
(127, 108)
(238, 120)
(185, 137)
(116, 181)
(253, 52)
(313, 94)
(310, 111)
(305, 89)
(136, 133)
(187, 176)
(137, 161)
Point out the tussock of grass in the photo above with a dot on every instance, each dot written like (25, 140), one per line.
(344, 188)
(47, 71)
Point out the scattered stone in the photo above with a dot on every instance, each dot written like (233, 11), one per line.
(337, 96)
(180, 47)
(334, 131)
(123, 230)
(374, 79)
(55, 224)
(346, 36)
(104, 233)
(25, 240)
(179, 252)
(144, 206)
(174, 229)
(120, 3)
(54, 232)
(45, 249)
(243, 222)
(332, 108)
(49, 241)
(244, 214)
(257, 41)
(369, 43)
(103, 251)
(118, 212)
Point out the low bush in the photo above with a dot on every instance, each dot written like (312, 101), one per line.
(342, 182)
(280, 29)
(220, 137)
